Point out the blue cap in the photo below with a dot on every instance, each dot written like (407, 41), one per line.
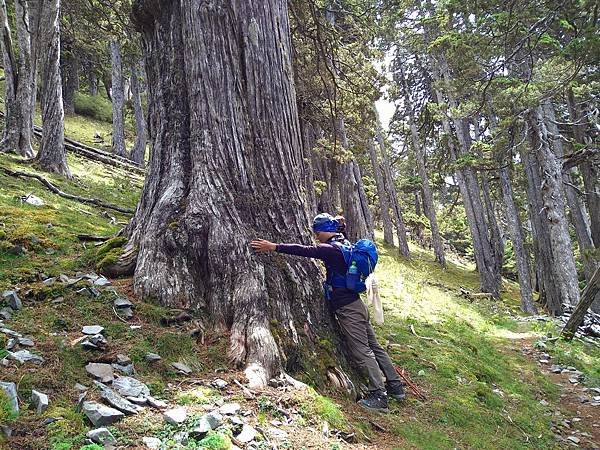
(325, 222)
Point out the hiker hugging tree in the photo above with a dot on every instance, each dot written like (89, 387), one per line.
(347, 265)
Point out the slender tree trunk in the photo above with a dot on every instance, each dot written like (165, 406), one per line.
(591, 291)
(590, 172)
(553, 211)
(388, 231)
(226, 166)
(92, 82)
(35, 13)
(352, 194)
(392, 194)
(11, 123)
(70, 77)
(52, 154)
(118, 100)
(138, 153)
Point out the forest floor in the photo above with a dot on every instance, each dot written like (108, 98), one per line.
(477, 361)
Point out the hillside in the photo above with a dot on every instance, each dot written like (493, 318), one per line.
(475, 360)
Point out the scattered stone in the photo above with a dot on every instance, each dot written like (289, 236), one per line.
(11, 344)
(25, 342)
(156, 403)
(95, 292)
(117, 401)
(23, 356)
(101, 436)
(153, 357)
(81, 387)
(544, 403)
(573, 380)
(39, 400)
(101, 415)
(58, 300)
(5, 314)
(220, 384)
(10, 389)
(574, 439)
(94, 342)
(182, 368)
(277, 433)
(101, 281)
(544, 361)
(247, 434)
(181, 437)
(175, 416)
(49, 420)
(125, 370)
(49, 281)
(92, 330)
(152, 443)
(13, 300)
(127, 313)
(102, 372)
(130, 387)
(556, 369)
(33, 200)
(122, 303)
(123, 359)
(229, 409)
(138, 400)
(9, 332)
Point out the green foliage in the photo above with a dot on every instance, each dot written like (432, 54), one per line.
(216, 441)
(96, 107)
(7, 413)
(68, 431)
(92, 447)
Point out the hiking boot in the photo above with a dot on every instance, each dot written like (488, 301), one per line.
(395, 389)
(375, 401)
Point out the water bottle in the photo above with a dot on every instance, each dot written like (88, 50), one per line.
(352, 277)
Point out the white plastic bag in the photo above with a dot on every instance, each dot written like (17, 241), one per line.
(374, 299)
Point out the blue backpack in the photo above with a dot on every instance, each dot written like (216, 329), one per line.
(364, 254)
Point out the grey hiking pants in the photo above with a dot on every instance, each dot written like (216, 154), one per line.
(368, 354)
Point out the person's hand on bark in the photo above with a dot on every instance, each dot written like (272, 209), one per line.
(261, 245)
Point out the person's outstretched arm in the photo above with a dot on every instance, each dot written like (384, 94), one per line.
(308, 251)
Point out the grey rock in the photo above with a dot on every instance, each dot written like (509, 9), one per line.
(573, 380)
(125, 370)
(13, 300)
(10, 389)
(544, 403)
(122, 303)
(130, 387)
(101, 281)
(118, 402)
(208, 422)
(25, 342)
(181, 437)
(182, 368)
(127, 313)
(24, 356)
(574, 439)
(229, 409)
(152, 443)
(58, 300)
(276, 433)
(49, 281)
(95, 292)
(123, 359)
(101, 436)
(5, 314)
(101, 415)
(152, 357)
(10, 344)
(219, 383)
(248, 434)
(92, 329)
(6, 430)
(156, 403)
(32, 200)
(9, 332)
(138, 400)
(80, 387)
(556, 369)
(102, 372)
(49, 420)
(95, 342)
(39, 400)
(175, 416)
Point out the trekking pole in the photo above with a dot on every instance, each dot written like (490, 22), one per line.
(410, 384)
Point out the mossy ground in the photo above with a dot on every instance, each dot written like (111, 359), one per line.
(482, 393)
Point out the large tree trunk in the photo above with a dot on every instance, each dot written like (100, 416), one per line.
(388, 230)
(392, 194)
(18, 126)
(118, 100)
(52, 155)
(226, 166)
(138, 153)
(70, 77)
(553, 208)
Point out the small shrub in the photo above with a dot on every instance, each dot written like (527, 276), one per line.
(96, 107)
(216, 441)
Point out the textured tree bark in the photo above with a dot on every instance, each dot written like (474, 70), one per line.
(52, 155)
(392, 194)
(589, 171)
(355, 207)
(515, 228)
(138, 153)
(544, 268)
(591, 291)
(553, 208)
(70, 77)
(118, 100)
(388, 229)
(226, 166)
(19, 125)
(489, 272)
